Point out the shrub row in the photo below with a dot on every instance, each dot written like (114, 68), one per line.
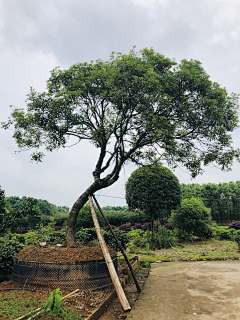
(118, 219)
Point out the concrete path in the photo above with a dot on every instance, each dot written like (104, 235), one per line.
(190, 290)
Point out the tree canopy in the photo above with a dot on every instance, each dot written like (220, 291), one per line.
(154, 189)
(133, 107)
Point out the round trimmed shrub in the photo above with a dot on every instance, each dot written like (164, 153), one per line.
(235, 225)
(125, 227)
(137, 226)
(107, 227)
(168, 226)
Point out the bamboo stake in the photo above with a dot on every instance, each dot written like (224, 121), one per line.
(40, 309)
(119, 290)
(119, 244)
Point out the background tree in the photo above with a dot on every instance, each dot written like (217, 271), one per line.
(154, 189)
(84, 219)
(191, 218)
(133, 107)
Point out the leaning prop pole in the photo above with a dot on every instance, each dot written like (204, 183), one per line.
(119, 244)
(119, 290)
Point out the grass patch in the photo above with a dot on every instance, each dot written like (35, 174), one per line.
(195, 251)
(19, 302)
(15, 304)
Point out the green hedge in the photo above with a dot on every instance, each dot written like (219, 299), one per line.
(118, 219)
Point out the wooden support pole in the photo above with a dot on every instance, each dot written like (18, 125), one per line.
(119, 290)
(119, 244)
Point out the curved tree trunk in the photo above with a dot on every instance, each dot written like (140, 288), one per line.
(72, 218)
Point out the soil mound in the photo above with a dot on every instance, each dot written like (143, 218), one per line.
(62, 254)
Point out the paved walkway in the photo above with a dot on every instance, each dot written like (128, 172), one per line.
(205, 290)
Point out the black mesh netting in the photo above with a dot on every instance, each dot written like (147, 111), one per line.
(84, 275)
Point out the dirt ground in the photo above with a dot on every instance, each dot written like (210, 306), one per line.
(115, 310)
(205, 290)
(52, 253)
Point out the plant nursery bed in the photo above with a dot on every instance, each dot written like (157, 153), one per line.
(62, 254)
(52, 267)
(85, 303)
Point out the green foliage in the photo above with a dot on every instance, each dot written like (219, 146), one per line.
(9, 248)
(118, 219)
(84, 219)
(163, 238)
(153, 189)
(111, 242)
(86, 234)
(110, 209)
(223, 199)
(31, 213)
(223, 233)
(142, 86)
(236, 236)
(54, 302)
(16, 303)
(44, 206)
(190, 219)
(135, 234)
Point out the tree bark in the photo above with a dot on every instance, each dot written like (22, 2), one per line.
(98, 184)
(152, 222)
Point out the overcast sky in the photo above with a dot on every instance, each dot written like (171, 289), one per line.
(38, 35)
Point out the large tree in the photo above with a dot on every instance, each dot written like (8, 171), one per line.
(132, 107)
(154, 189)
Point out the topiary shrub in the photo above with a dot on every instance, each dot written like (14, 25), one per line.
(137, 226)
(125, 227)
(107, 227)
(235, 225)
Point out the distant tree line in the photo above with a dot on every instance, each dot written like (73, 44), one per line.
(223, 199)
(46, 208)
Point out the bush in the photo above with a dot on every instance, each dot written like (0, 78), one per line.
(57, 228)
(236, 237)
(163, 221)
(107, 227)
(86, 234)
(84, 219)
(137, 226)
(223, 233)
(163, 238)
(191, 219)
(146, 226)
(235, 225)
(125, 227)
(168, 226)
(111, 242)
(21, 231)
(118, 219)
(135, 234)
(9, 248)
